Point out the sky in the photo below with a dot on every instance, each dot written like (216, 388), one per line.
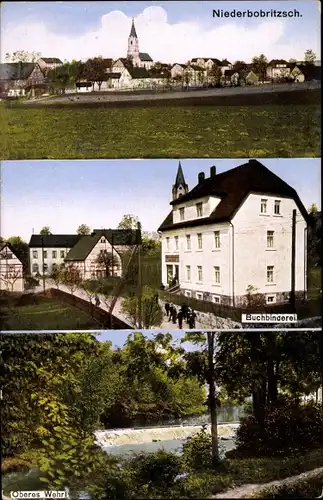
(169, 31)
(66, 194)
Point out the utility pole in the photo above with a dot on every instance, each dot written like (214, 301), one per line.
(139, 276)
(292, 294)
(1, 399)
(43, 263)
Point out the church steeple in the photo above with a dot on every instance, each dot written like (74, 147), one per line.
(180, 187)
(133, 42)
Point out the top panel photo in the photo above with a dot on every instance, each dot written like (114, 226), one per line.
(197, 79)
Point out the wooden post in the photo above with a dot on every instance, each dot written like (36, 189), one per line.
(292, 294)
(212, 398)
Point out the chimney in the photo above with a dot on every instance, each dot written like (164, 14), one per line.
(201, 177)
(213, 171)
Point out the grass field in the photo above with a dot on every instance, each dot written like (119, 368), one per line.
(207, 131)
(46, 314)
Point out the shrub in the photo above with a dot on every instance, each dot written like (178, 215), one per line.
(288, 427)
(15, 465)
(197, 451)
(302, 488)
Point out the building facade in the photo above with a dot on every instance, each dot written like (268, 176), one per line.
(11, 271)
(213, 233)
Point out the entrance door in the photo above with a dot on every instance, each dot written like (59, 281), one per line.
(169, 270)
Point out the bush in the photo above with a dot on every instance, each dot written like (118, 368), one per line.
(155, 470)
(288, 427)
(197, 451)
(15, 464)
(302, 488)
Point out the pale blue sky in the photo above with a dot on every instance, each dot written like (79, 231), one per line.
(168, 30)
(65, 194)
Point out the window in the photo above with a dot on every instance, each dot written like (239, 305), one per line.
(188, 293)
(199, 295)
(270, 274)
(35, 268)
(216, 299)
(199, 241)
(216, 274)
(199, 273)
(188, 242)
(277, 207)
(271, 299)
(45, 267)
(54, 254)
(45, 254)
(217, 239)
(270, 239)
(62, 254)
(176, 242)
(182, 213)
(263, 206)
(102, 240)
(167, 243)
(188, 273)
(199, 209)
(35, 254)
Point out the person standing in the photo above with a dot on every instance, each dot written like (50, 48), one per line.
(174, 315)
(193, 318)
(97, 301)
(180, 319)
(167, 307)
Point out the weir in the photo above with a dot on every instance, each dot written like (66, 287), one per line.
(118, 437)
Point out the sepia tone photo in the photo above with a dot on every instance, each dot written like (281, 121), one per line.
(149, 80)
(164, 244)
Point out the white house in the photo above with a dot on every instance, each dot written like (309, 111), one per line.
(11, 271)
(233, 232)
(278, 69)
(49, 252)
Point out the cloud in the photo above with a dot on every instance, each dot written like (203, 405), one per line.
(164, 41)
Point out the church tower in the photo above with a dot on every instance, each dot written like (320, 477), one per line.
(180, 187)
(133, 43)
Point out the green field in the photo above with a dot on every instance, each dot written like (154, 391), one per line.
(46, 314)
(200, 131)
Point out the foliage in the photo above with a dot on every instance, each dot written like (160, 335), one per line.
(21, 249)
(45, 231)
(146, 309)
(129, 221)
(259, 66)
(22, 56)
(309, 56)
(108, 261)
(83, 229)
(94, 70)
(197, 451)
(71, 277)
(288, 428)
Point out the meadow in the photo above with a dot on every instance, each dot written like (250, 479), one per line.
(212, 128)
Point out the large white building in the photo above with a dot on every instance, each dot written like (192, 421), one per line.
(93, 255)
(11, 271)
(233, 233)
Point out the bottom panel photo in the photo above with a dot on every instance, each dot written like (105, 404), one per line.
(144, 414)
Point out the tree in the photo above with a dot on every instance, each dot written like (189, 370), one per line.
(108, 261)
(94, 70)
(57, 275)
(292, 61)
(214, 75)
(71, 277)
(83, 229)
(128, 221)
(45, 231)
(151, 313)
(309, 57)
(22, 56)
(239, 66)
(259, 66)
(313, 209)
(20, 249)
(9, 275)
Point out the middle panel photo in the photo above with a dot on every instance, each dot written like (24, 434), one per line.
(167, 244)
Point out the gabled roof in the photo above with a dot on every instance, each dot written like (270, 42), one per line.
(180, 64)
(274, 62)
(138, 72)
(107, 62)
(51, 60)
(214, 60)
(16, 71)
(225, 62)
(233, 186)
(163, 73)
(230, 72)
(9, 247)
(54, 240)
(196, 67)
(310, 71)
(143, 56)
(116, 237)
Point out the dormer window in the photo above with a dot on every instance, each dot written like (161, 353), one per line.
(182, 214)
(102, 240)
(199, 209)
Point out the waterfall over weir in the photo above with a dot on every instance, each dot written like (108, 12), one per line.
(111, 438)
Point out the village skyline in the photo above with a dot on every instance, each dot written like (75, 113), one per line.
(182, 35)
(98, 193)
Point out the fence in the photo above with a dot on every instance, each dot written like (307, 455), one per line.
(304, 309)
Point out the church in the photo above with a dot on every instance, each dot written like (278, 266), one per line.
(233, 234)
(139, 59)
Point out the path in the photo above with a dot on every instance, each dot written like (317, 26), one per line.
(253, 490)
(126, 96)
